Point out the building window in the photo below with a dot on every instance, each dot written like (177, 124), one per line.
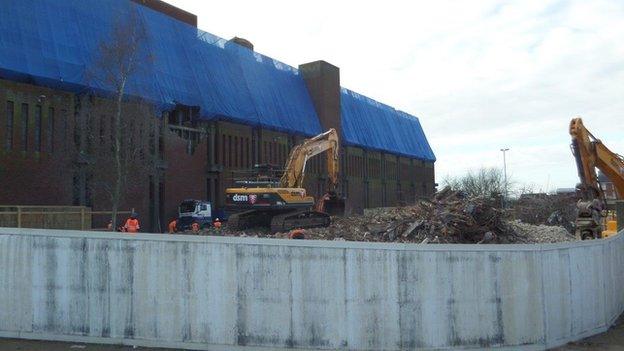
(131, 137)
(152, 139)
(102, 130)
(248, 154)
(77, 131)
(38, 128)
(88, 190)
(112, 133)
(284, 154)
(246, 163)
(24, 117)
(223, 150)
(50, 136)
(76, 190)
(230, 151)
(236, 155)
(64, 128)
(9, 126)
(272, 153)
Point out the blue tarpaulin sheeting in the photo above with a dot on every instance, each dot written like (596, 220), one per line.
(56, 43)
(373, 125)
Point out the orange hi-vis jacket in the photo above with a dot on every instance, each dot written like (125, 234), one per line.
(132, 225)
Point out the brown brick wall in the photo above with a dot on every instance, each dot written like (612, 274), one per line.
(234, 148)
(47, 177)
(28, 176)
(185, 175)
(274, 147)
(323, 84)
(374, 186)
(170, 10)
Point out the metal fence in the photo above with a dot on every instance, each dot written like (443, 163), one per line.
(52, 217)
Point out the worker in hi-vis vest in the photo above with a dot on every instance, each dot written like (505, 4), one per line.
(132, 224)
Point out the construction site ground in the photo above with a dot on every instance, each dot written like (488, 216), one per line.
(612, 340)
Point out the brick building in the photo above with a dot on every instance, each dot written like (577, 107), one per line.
(218, 107)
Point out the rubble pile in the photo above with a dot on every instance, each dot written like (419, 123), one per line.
(554, 210)
(449, 217)
(529, 233)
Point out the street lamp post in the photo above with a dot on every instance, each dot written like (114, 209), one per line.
(505, 174)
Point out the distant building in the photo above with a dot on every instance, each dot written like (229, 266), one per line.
(533, 196)
(565, 191)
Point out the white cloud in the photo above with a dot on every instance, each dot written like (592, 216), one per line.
(480, 75)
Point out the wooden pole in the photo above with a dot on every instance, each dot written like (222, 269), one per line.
(619, 212)
(82, 218)
(19, 217)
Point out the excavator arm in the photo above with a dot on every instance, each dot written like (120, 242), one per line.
(296, 165)
(294, 173)
(590, 153)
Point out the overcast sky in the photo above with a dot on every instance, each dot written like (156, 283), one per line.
(480, 75)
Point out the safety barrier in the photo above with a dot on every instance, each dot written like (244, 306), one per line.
(247, 293)
(53, 217)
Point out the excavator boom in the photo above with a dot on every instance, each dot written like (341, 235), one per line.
(297, 161)
(591, 154)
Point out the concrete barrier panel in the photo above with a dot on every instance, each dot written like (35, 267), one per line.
(245, 293)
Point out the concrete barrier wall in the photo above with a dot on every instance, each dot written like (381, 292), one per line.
(244, 293)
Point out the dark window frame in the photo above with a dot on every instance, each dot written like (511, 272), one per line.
(10, 122)
(51, 129)
(38, 128)
(24, 119)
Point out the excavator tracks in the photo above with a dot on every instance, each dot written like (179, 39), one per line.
(248, 219)
(299, 219)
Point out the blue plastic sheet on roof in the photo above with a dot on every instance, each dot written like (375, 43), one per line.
(55, 43)
(373, 125)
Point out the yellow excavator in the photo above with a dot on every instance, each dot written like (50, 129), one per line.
(590, 153)
(284, 204)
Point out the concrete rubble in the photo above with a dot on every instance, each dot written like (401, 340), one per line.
(449, 217)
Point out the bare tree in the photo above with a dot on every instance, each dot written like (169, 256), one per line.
(527, 189)
(119, 60)
(488, 182)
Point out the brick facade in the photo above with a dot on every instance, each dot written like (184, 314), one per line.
(196, 160)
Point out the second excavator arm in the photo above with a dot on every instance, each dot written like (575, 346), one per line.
(590, 153)
(294, 172)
